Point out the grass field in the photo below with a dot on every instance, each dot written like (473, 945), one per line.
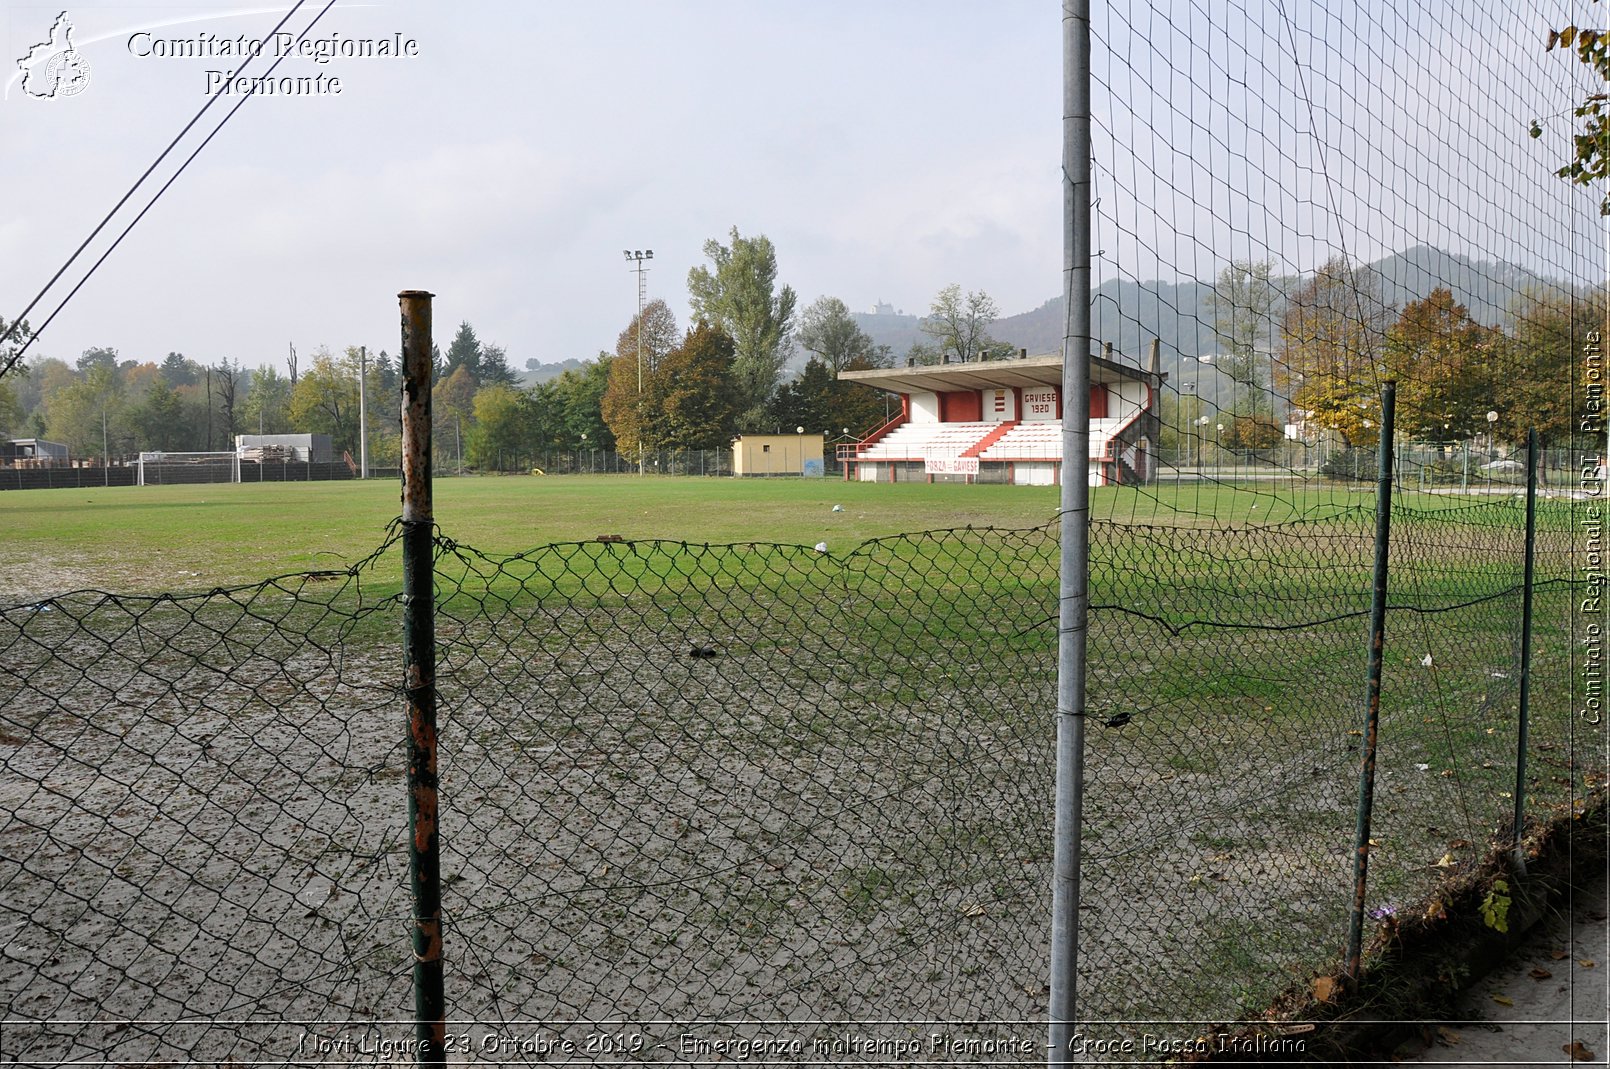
(183, 538)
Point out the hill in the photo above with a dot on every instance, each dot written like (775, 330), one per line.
(537, 372)
(1130, 314)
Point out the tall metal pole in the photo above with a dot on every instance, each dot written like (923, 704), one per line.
(1074, 593)
(1527, 589)
(636, 258)
(640, 428)
(1372, 713)
(363, 411)
(419, 667)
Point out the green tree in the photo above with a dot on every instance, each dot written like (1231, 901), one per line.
(1538, 379)
(807, 401)
(463, 352)
(741, 298)
(502, 432)
(1443, 362)
(267, 406)
(13, 337)
(1332, 336)
(827, 329)
(97, 357)
(820, 401)
(178, 371)
(453, 414)
(325, 399)
(11, 412)
(1178, 436)
(158, 420)
(495, 368)
(632, 401)
(579, 395)
(35, 386)
(1243, 303)
(960, 325)
(701, 395)
(88, 413)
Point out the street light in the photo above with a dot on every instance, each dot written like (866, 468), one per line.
(636, 258)
(1201, 423)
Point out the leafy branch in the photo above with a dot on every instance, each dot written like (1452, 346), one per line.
(1592, 140)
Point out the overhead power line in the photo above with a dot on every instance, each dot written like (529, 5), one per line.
(15, 325)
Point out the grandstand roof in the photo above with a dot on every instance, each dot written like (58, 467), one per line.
(991, 374)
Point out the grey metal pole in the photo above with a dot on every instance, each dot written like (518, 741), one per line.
(363, 412)
(1074, 591)
(1527, 589)
(1372, 714)
(419, 668)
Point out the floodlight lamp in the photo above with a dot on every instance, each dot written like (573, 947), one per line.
(1492, 417)
(627, 253)
(649, 254)
(799, 430)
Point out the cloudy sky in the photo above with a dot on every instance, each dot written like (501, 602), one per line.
(887, 148)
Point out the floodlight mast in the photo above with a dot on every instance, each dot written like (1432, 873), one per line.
(636, 258)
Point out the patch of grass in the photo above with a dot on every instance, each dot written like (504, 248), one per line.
(866, 888)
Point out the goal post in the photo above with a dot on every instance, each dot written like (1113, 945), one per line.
(167, 469)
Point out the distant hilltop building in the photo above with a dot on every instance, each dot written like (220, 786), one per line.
(881, 308)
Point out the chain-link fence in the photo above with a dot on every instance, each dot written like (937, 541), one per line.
(701, 795)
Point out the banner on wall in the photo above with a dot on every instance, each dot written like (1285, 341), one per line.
(950, 465)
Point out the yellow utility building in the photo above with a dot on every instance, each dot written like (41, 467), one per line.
(778, 454)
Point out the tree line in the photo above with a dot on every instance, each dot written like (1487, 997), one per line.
(1327, 342)
(665, 386)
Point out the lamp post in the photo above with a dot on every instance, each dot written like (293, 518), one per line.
(800, 431)
(1218, 448)
(636, 259)
(1492, 420)
(580, 451)
(1201, 423)
(363, 412)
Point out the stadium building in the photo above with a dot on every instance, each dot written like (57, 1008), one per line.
(1000, 421)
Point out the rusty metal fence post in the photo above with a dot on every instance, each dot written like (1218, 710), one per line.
(1372, 714)
(419, 666)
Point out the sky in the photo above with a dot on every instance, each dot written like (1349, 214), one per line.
(887, 148)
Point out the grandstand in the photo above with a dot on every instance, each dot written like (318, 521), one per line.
(1001, 421)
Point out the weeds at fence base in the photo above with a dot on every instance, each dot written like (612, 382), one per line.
(1420, 960)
